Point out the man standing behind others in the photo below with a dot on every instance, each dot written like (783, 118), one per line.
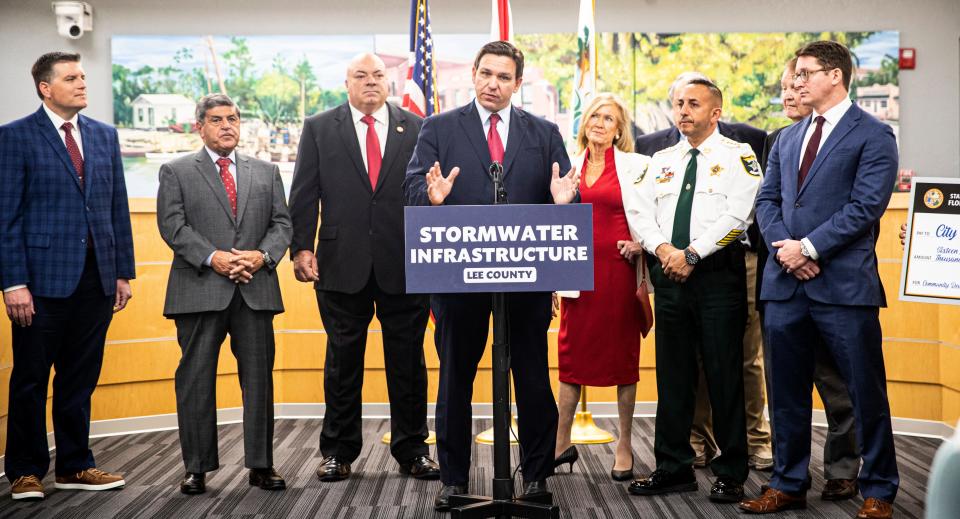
(66, 258)
(828, 183)
(351, 166)
(698, 200)
(841, 456)
(225, 217)
(466, 141)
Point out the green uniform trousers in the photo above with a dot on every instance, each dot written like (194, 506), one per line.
(705, 315)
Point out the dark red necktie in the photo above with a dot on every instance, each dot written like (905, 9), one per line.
(228, 183)
(810, 154)
(73, 150)
(373, 151)
(494, 144)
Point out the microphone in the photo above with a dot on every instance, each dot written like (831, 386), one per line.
(496, 175)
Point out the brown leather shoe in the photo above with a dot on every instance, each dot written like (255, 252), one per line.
(772, 501)
(839, 489)
(89, 479)
(874, 508)
(27, 488)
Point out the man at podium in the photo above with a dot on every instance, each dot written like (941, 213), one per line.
(466, 142)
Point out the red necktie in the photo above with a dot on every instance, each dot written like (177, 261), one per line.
(373, 151)
(73, 150)
(493, 140)
(228, 183)
(810, 154)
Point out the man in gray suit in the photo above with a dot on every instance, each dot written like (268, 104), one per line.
(225, 217)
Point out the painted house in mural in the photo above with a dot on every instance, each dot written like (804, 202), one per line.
(880, 101)
(153, 111)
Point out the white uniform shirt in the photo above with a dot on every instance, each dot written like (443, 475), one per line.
(728, 178)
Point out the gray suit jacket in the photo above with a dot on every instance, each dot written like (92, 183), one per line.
(195, 220)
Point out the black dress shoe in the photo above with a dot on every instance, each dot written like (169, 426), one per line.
(267, 479)
(726, 490)
(441, 503)
(421, 467)
(839, 489)
(537, 492)
(333, 469)
(662, 482)
(193, 483)
(568, 456)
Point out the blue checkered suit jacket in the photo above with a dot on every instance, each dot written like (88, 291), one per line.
(46, 219)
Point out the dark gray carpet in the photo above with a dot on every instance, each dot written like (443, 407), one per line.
(152, 466)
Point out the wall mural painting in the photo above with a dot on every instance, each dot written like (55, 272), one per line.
(277, 81)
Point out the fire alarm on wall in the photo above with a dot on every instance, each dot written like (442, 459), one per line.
(908, 59)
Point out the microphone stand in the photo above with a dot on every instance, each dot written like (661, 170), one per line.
(502, 504)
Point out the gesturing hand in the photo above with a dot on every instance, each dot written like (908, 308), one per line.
(438, 186)
(564, 189)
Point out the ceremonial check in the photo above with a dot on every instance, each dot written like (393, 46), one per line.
(931, 265)
(499, 248)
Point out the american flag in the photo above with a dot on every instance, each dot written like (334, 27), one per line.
(419, 90)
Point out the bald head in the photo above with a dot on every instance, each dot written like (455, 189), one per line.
(366, 83)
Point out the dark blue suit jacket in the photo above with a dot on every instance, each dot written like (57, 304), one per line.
(837, 208)
(663, 139)
(45, 217)
(455, 139)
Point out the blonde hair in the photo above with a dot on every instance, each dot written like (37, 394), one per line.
(624, 138)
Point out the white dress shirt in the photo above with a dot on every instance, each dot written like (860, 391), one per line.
(214, 156)
(381, 119)
(503, 128)
(58, 122)
(830, 119)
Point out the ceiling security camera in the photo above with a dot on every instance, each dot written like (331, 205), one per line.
(73, 18)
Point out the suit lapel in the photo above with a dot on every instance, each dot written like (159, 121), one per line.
(348, 135)
(244, 184)
(90, 141)
(52, 136)
(208, 171)
(473, 128)
(397, 132)
(518, 130)
(844, 125)
(791, 158)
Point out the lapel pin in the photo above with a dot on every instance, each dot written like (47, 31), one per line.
(399, 129)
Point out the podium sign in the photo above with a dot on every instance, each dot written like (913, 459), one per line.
(931, 263)
(499, 248)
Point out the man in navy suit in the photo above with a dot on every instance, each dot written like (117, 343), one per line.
(828, 181)
(66, 258)
(758, 431)
(468, 140)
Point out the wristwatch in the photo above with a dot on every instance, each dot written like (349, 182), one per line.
(804, 250)
(691, 256)
(266, 257)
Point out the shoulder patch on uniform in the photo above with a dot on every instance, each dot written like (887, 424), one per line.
(750, 164)
(727, 141)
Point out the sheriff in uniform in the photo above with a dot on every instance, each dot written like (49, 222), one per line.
(697, 199)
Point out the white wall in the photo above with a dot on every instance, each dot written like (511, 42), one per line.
(930, 95)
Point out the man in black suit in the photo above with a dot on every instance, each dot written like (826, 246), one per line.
(758, 431)
(351, 161)
(841, 455)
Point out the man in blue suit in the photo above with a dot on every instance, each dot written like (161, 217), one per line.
(470, 139)
(66, 258)
(828, 181)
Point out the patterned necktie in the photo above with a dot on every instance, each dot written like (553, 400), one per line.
(494, 144)
(681, 218)
(810, 154)
(73, 150)
(373, 151)
(228, 183)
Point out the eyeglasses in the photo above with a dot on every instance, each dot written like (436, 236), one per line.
(231, 120)
(804, 75)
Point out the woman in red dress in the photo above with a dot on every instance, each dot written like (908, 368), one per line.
(599, 341)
